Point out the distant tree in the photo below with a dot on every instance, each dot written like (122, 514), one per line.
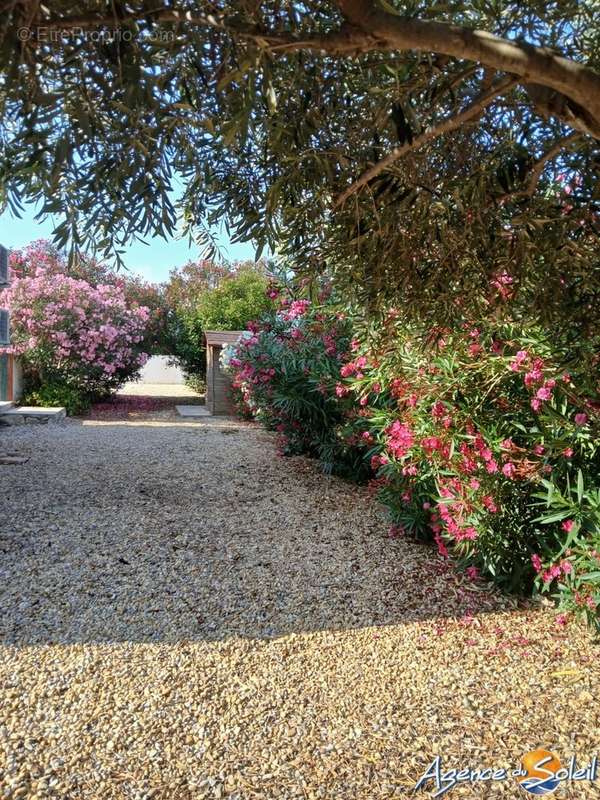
(202, 295)
(239, 299)
(187, 283)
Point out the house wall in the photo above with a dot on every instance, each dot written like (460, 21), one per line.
(11, 378)
(158, 370)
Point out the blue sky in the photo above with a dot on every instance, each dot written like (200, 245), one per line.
(153, 260)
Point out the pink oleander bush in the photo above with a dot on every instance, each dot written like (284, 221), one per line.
(76, 341)
(479, 435)
(483, 438)
(285, 370)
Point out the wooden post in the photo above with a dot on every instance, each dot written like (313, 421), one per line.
(218, 383)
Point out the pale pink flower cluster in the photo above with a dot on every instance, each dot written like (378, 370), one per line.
(71, 327)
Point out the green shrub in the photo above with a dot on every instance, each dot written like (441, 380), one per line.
(56, 394)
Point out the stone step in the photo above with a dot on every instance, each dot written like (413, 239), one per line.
(193, 411)
(5, 405)
(22, 415)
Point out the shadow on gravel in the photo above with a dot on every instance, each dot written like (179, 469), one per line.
(160, 530)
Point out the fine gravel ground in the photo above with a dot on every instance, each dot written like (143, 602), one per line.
(185, 614)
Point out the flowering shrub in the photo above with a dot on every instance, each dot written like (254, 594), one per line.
(483, 439)
(41, 256)
(467, 430)
(285, 372)
(75, 340)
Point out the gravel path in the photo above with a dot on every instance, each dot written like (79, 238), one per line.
(186, 615)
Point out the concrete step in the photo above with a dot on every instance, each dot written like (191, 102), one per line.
(193, 411)
(5, 405)
(23, 415)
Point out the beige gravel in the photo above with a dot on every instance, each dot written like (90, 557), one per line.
(187, 615)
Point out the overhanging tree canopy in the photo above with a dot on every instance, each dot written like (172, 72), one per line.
(414, 149)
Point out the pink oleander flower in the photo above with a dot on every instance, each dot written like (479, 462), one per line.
(568, 525)
(400, 439)
(378, 460)
(562, 619)
(88, 334)
(296, 309)
(509, 470)
(537, 562)
(520, 358)
(581, 419)
(568, 452)
(473, 573)
(441, 546)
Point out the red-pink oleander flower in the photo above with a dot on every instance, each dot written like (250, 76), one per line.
(489, 504)
(400, 439)
(581, 419)
(568, 525)
(441, 546)
(536, 562)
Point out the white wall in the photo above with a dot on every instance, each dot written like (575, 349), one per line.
(158, 370)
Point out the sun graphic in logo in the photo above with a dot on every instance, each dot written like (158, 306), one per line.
(540, 768)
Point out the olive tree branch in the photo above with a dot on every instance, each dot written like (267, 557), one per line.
(472, 111)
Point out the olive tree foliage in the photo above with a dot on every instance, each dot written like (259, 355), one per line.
(414, 150)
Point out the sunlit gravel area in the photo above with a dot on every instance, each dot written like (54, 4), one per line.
(185, 614)
(136, 389)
